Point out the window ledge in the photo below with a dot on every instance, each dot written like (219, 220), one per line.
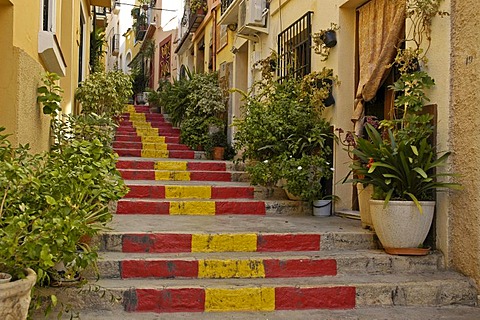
(51, 53)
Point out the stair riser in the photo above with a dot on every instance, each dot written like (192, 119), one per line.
(172, 165)
(135, 138)
(176, 154)
(176, 175)
(265, 268)
(148, 146)
(161, 131)
(208, 243)
(270, 298)
(190, 192)
(155, 123)
(245, 299)
(221, 269)
(190, 207)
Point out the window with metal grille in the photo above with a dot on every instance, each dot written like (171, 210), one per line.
(294, 48)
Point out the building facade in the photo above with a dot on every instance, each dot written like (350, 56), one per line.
(39, 36)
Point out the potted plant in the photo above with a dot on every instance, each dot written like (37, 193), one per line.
(218, 142)
(324, 40)
(281, 130)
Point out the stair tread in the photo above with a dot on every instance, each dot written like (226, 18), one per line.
(363, 280)
(232, 184)
(192, 256)
(138, 223)
(455, 312)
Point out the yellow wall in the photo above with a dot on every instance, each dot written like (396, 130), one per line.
(464, 122)
(22, 67)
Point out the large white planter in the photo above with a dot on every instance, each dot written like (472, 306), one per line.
(364, 197)
(400, 224)
(15, 297)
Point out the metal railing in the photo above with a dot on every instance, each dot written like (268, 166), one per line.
(294, 48)
(225, 5)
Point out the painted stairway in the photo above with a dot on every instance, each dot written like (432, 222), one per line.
(193, 236)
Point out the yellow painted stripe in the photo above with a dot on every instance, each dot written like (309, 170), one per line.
(154, 153)
(172, 175)
(223, 269)
(154, 146)
(245, 242)
(245, 299)
(147, 132)
(154, 139)
(194, 192)
(171, 165)
(204, 208)
(129, 108)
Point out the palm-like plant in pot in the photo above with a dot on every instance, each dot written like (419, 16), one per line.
(399, 161)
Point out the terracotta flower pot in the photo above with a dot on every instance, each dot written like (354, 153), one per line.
(218, 153)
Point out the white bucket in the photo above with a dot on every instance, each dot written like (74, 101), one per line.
(322, 208)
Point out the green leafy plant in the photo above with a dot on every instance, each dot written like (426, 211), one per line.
(197, 5)
(282, 129)
(104, 93)
(399, 170)
(49, 94)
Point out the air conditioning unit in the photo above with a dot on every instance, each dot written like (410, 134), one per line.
(251, 16)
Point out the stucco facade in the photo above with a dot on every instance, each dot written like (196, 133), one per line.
(31, 46)
(464, 244)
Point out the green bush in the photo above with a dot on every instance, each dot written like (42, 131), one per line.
(104, 93)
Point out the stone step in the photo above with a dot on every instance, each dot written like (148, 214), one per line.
(262, 264)
(149, 145)
(212, 207)
(154, 122)
(185, 165)
(176, 234)
(134, 138)
(450, 312)
(158, 189)
(190, 192)
(177, 154)
(158, 131)
(273, 294)
(164, 175)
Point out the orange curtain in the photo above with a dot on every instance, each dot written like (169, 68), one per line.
(381, 29)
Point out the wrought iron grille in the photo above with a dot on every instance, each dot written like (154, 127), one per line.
(294, 48)
(225, 5)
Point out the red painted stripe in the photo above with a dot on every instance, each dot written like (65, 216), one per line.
(207, 166)
(129, 152)
(157, 243)
(175, 146)
(127, 145)
(181, 154)
(128, 138)
(159, 269)
(232, 192)
(128, 164)
(142, 207)
(172, 138)
(137, 174)
(171, 300)
(287, 298)
(157, 192)
(210, 176)
(275, 268)
(288, 242)
(242, 207)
